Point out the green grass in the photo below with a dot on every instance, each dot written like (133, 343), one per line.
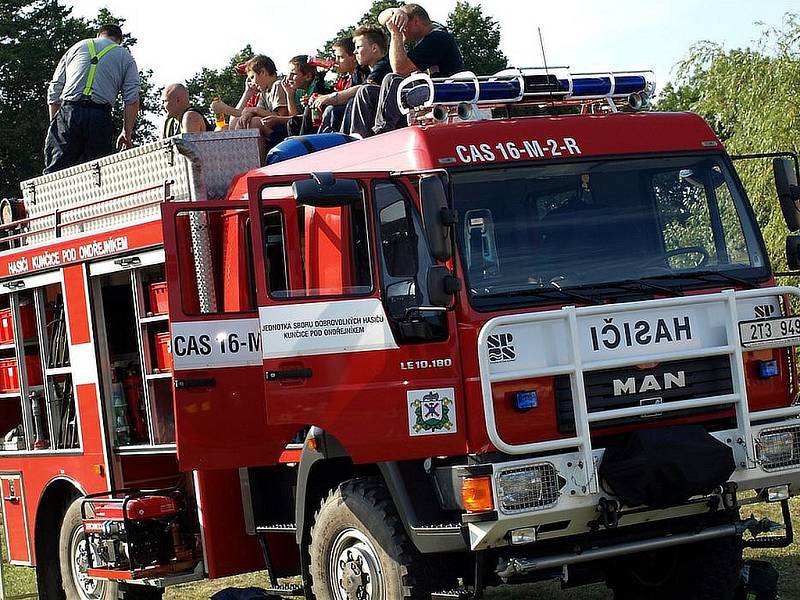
(21, 580)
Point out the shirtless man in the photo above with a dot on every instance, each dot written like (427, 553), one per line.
(181, 117)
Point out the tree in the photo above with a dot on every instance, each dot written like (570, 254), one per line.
(677, 98)
(368, 18)
(749, 96)
(478, 37)
(149, 95)
(225, 82)
(34, 34)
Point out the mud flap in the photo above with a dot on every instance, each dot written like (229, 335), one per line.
(665, 467)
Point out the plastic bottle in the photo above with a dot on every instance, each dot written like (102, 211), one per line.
(220, 119)
(318, 61)
(118, 409)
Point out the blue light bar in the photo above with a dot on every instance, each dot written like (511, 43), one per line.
(591, 86)
(513, 85)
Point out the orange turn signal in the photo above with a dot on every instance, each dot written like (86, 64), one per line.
(476, 494)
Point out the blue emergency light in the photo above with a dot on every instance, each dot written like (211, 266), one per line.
(768, 369)
(514, 85)
(526, 400)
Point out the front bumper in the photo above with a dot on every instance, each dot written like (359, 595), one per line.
(562, 504)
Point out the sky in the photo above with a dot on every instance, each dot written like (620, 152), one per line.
(177, 38)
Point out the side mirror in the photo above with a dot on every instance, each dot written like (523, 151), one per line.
(324, 191)
(437, 217)
(788, 191)
(442, 286)
(793, 252)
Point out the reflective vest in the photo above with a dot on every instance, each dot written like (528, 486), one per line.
(95, 57)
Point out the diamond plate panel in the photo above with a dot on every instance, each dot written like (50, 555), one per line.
(125, 188)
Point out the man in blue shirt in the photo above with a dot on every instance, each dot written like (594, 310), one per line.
(85, 86)
(435, 51)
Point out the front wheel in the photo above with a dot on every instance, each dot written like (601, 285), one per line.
(359, 549)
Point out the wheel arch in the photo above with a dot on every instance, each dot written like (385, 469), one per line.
(58, 494)
(327, 463)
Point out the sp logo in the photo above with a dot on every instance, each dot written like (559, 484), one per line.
(763, 311)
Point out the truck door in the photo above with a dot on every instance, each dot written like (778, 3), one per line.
(332, 356)
(220, 411)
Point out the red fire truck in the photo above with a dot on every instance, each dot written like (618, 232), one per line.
(488, 348)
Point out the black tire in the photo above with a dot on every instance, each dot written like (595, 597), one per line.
(704, 571)
(358, 523)
(79, 587)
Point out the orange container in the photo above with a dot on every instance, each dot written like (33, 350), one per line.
(7, 325)
(163, 352)
(158, 298)
(9, 375)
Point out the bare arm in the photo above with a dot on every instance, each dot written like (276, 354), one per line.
(53, 108)
(336, 98)
(250, 90)
(125, 139)
(218, 106)
(398, 57)
(193, 122)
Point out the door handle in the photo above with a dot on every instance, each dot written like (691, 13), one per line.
(285, 374)
(182, 384)
(11, 499)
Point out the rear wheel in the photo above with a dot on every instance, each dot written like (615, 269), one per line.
(704, 571)
(73, 556)
(359, 549)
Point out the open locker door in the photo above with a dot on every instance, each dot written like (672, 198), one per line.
(220, 410)
(330, 356)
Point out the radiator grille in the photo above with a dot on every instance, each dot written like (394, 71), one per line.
(670, 381)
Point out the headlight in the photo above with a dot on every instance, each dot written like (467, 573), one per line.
(779, 448)
(528, 488)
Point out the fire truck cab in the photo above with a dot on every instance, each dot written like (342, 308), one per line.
(469, 352)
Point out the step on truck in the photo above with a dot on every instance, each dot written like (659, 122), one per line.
(533, 335)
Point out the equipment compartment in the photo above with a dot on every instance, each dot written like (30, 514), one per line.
(134, 358)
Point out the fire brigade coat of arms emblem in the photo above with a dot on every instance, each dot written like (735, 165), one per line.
(431, 412)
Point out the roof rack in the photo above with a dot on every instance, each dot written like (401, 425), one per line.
(467, 96)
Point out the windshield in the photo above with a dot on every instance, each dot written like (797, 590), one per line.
(590, 230)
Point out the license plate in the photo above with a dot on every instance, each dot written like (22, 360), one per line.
(770, 331)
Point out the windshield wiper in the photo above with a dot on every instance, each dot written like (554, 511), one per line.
(647, 285)
(710, 275)
(542, 292)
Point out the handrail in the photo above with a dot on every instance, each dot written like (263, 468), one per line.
(568, 360)
(57, 215)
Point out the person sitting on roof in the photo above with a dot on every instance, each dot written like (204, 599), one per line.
(370, 47)
(298, 85)
(181, 117)
(261, 71)
(325, 112)
(436, 51)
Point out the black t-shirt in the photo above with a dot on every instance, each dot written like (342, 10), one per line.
(438, 54)
(378, 71)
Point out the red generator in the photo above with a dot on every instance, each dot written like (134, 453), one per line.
(137, 535)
